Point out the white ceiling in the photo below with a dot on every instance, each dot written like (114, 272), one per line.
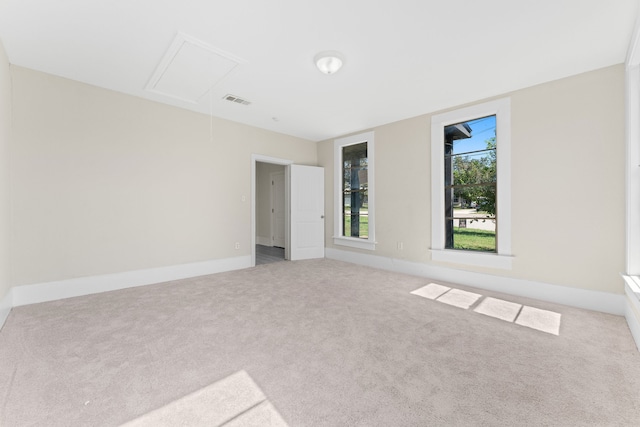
(403, 58)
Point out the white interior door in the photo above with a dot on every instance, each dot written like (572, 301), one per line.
(278, 212)
(307, 212)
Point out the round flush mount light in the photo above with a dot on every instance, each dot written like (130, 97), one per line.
(328, 62)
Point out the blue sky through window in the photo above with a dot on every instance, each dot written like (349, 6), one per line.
(481, 129)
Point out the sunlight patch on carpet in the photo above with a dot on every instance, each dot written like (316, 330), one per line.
(542, 320)
(233, 401)
(499, 309)
(459, 298)
(431, 291)
(530, 317)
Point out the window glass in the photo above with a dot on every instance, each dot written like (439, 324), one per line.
(355, 209)
(470, 184)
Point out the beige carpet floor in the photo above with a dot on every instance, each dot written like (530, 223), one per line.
(312, 343)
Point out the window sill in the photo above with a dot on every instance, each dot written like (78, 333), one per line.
(633, 283)
(472, 258)
(354, 243)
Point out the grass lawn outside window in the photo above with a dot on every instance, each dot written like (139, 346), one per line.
(472, 239)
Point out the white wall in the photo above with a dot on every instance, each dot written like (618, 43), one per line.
(106, 183)
(5, 138)
(568, 201)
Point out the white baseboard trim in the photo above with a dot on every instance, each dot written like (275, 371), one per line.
(624, 305)
(5, 307)
(50, 291)
(582, 298)
(265, 241)
(632, 313)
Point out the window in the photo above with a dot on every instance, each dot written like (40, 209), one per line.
(633, 159)
(470, 176)
(354, 220)
(471, 185)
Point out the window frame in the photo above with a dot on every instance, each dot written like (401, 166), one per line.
(338, 236)
(501, 108)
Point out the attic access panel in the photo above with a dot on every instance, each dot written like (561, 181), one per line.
(190, 68)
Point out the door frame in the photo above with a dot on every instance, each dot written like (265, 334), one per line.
(273, 225)
(255, 158)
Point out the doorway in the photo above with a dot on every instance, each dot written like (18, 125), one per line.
(303, 213)
(278, 212)
(270, 211)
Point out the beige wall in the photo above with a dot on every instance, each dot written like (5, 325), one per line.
(567, 184)
(5, 136)
(106, 183)
(263, 198)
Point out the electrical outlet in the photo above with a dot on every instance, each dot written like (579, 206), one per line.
(237, 245)
(400, 246)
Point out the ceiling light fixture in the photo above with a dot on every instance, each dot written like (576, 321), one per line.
(328, 62)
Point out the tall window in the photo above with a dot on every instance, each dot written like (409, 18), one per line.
(471, 185)
(470, 177)
(355, 216)
(355, 191)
